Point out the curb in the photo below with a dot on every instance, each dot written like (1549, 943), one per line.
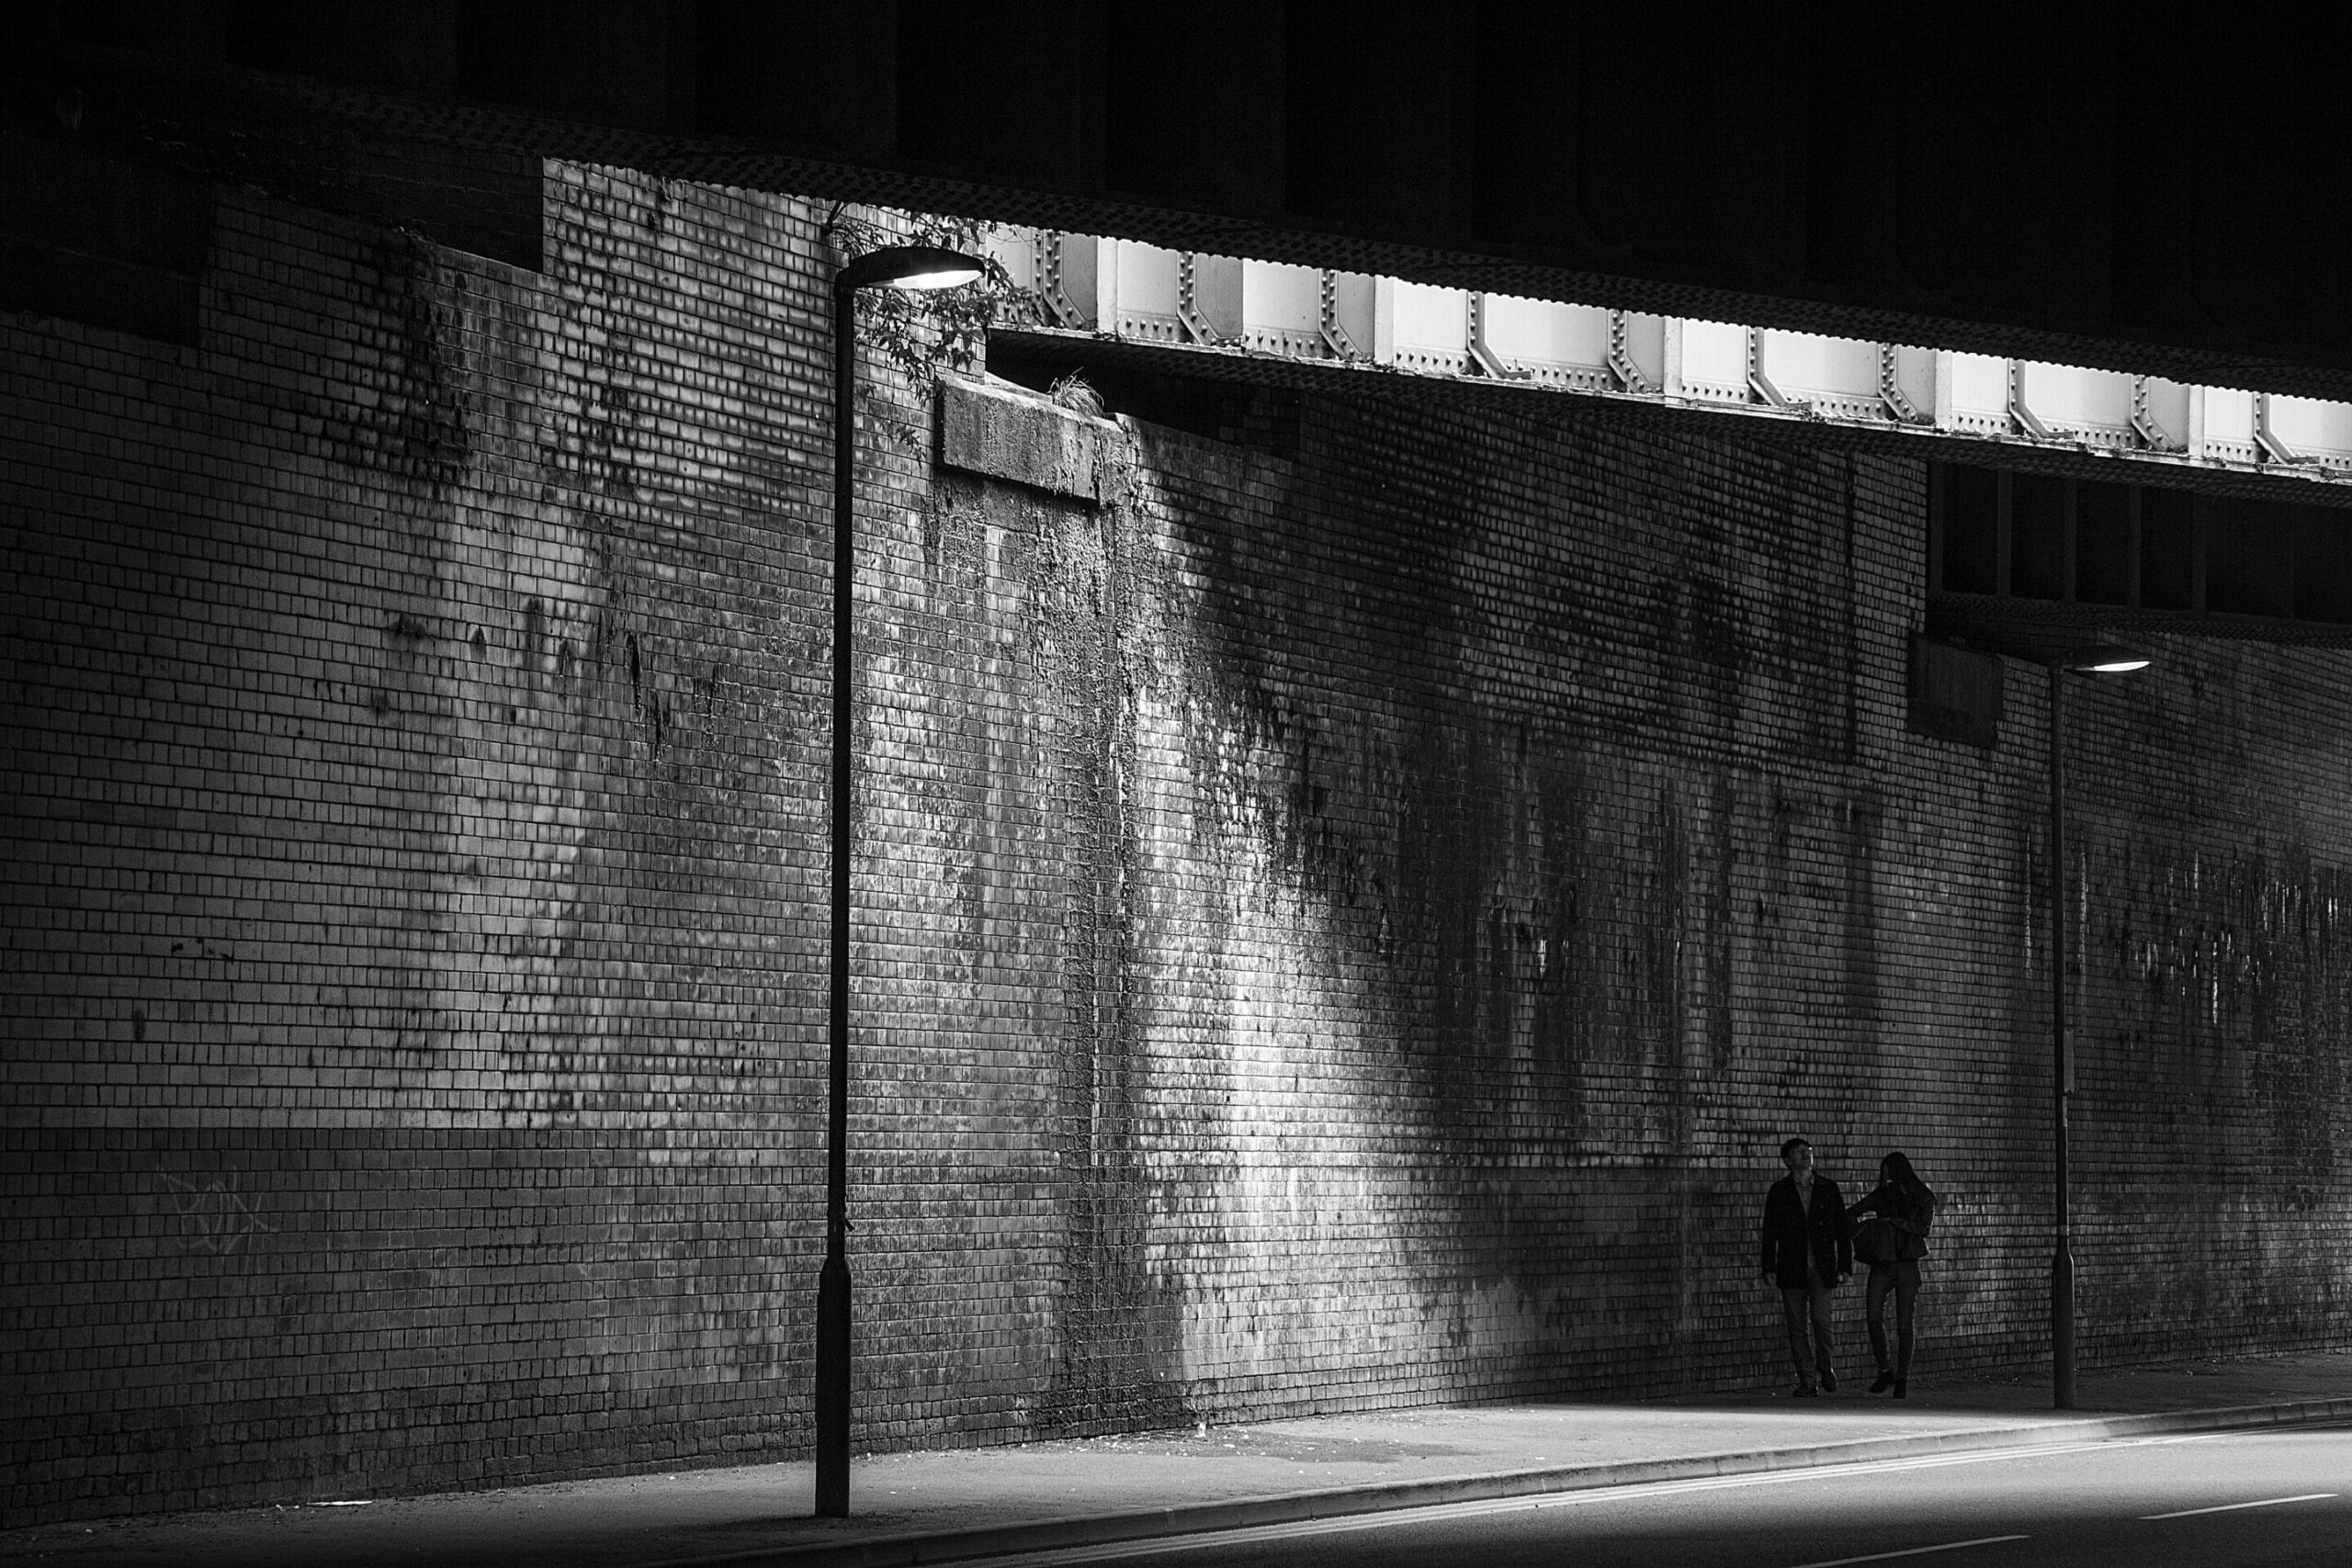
(1106, 1529)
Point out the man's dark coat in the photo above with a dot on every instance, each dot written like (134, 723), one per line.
(1789, 1227)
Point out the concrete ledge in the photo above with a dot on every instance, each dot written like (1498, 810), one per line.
(1104, 1529)
(1007, 433)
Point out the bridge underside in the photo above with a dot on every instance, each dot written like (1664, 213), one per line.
(2104, 199)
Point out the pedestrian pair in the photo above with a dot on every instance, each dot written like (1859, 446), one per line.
(1810, 1243)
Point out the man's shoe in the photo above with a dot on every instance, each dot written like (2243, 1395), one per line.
(1803, 1390)
(1885, 1381)
(1828, 1381)
(1901, 1388)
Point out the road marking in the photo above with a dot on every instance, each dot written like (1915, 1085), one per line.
(1635, 1491)
(1914, 1551)
(2231, 1507)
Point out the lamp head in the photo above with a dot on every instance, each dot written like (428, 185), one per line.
(909, 267)
(2103, 659)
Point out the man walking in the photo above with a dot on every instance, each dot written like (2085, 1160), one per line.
(1808, 1248)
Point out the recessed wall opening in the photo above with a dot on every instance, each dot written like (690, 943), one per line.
(2033, 539)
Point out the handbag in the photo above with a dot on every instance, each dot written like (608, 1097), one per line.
(1878, 1242)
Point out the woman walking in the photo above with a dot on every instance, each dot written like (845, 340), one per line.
(1893, 1243)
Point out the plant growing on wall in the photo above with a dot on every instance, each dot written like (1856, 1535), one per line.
(918, 333)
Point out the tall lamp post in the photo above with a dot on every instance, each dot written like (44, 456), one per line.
(2103, 659)
(900, 266)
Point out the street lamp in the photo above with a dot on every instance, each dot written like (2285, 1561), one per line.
(2097, 660)
(899, 266)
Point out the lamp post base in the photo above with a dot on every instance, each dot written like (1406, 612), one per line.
(2062, 1328)
(832, 1390)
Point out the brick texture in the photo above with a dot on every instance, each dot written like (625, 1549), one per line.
(1346, 915)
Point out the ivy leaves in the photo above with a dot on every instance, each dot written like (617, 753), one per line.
(918, 333)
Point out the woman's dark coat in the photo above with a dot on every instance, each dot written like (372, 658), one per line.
(1911, 1213)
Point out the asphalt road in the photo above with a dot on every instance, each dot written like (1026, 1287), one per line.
(2215, 1501)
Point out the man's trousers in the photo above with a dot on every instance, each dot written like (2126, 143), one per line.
(1809, 1308)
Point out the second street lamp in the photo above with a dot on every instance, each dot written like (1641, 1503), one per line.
(2100, 660)
(900, 266)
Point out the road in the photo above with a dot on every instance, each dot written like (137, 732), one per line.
(2216, 1501)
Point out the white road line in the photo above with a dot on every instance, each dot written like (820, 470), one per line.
(1636, 1492)
(2232, 1507)
(1914, 1551)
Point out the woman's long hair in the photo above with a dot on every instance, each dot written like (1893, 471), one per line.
(1896, 1169)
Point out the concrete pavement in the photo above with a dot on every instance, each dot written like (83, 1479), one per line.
(936, 1506)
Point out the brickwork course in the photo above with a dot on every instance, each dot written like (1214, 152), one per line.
(1346, 913)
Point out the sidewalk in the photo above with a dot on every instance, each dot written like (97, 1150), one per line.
(1118, 1488)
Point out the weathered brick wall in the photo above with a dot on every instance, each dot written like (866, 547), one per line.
(1339, 927)
(415, 934)
(2216, 1024)
(1534, 839)
(1528, 838)
(1522, 761)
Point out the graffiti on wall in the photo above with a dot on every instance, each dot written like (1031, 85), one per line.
(211, 1216)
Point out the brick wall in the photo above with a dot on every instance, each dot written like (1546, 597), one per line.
(1346, 919)
(1534, 838)
(414, 739)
